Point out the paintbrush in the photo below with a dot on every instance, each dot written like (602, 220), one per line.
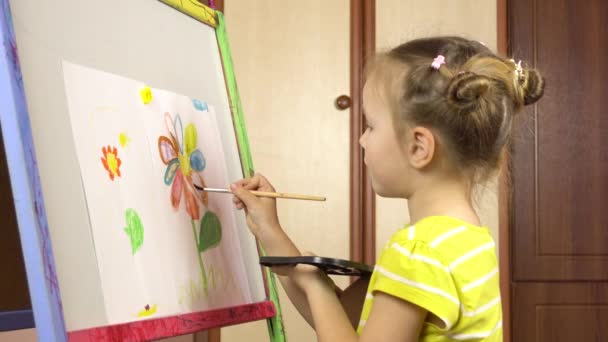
(266, 194)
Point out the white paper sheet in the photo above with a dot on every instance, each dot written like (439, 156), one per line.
(160, 271)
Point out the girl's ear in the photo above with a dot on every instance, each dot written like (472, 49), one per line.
(421, 147)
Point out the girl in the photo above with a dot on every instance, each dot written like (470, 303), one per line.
(439, 113)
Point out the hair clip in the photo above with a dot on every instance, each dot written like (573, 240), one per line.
(519, 71)
(437, 62)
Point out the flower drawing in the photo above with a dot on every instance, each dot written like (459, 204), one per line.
(110, 161)
(184, 163)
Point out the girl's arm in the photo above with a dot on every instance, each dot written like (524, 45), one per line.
(352, 299)
(279, 244)
(264, 224)
(390, 319)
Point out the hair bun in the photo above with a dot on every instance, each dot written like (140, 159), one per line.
(533, 86)
(466, 88)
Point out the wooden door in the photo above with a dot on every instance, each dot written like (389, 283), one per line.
(291, 60)
(560, 174)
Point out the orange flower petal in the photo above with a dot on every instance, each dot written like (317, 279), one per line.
(191, 204)
(203, 196)
(176, 189)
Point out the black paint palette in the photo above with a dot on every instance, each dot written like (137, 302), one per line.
(328, 265)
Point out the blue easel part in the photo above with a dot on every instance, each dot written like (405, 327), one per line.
(27, 191)
(200, 105)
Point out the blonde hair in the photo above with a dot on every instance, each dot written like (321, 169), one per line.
(469, 101)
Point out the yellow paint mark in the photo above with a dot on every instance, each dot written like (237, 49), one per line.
(146, 94)
(112, 163)
(148, 311)
(124, 139)
(184, 164)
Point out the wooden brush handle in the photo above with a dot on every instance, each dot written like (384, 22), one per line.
(290, 196)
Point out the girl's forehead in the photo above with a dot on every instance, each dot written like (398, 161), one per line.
(375, 96)
(372, 98)
(385, 81)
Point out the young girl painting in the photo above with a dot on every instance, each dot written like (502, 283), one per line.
(439, 113)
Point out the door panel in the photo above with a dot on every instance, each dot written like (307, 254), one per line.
(560, 312)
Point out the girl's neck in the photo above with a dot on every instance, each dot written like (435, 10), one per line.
(442, 196)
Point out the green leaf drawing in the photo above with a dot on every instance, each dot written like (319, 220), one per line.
(210, 233)
(134, 229)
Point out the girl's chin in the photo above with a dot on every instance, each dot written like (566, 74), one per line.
(378, 189)
(383, 191)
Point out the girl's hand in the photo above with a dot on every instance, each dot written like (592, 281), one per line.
(261, 212)
(307, 277)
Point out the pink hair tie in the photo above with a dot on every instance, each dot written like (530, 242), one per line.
(437, 62)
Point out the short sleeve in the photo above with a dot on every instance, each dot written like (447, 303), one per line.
(415, 272)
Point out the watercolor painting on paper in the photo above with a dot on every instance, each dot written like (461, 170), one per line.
(163, 248)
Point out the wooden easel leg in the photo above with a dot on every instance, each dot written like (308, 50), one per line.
(211, 335)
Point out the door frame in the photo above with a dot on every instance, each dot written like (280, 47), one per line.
(362, 196)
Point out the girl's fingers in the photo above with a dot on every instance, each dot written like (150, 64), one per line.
(253, 184)
(257, 182)
(242, 182)
(248, 183)
(264, 184)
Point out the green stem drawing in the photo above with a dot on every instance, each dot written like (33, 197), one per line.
(200, 260)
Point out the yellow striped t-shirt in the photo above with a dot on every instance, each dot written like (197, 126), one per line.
(449, 268)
